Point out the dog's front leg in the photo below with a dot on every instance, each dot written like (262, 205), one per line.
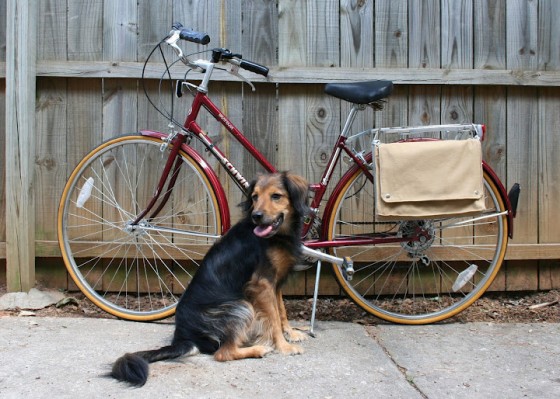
(266, 301)
(289, 332)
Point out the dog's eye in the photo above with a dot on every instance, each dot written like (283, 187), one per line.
(276, 197)
(254, 197)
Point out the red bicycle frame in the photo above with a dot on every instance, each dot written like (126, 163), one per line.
(201, 99)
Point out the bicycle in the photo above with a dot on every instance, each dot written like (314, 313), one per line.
(140, 210)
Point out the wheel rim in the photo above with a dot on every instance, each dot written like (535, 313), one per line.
(412, 283)
(136, 272)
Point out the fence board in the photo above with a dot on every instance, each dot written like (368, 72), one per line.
(20, 145)
(522, 128)
(120, 28)
(3, 10)
(260, 115)
(357, 51)
(548, 169)
(391, 51)
(549, 31)
(52, 30)
(3, 134)
(153, 24)
(85, 30)
(50, 168)
(489, 34)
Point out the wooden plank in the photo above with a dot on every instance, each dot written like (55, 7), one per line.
(292, 33)
(260, 113)
(322, 41)
(549, 31)
(424, 51)
(2, 165)
(514, 252)
(322, 125)
(424, 47)
(154, 21)
(548, 170)
(357, 50)
(549, 275)
(522, 276)
(3, 11)
(490, 110)
(522, 29)
(323, 112)
(84, 130)
(522, 111)
(85, 30)
(549, 125)
(120, 30)
(310, 74)
(489, 34)
(51, 273)
(20, 145)
(198, 15)
(50, 157)
(51, 35)
(391, 51)
(457, 34)
(356, 33)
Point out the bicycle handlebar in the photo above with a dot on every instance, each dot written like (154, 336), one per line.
(218, 55)
(254, 67)
(191, 35)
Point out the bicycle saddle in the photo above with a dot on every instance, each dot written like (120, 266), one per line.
(360, 92)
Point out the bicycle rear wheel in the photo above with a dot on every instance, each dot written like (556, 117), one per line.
(417, 282)
(135, 272)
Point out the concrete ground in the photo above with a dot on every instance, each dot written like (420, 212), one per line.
(68, 357)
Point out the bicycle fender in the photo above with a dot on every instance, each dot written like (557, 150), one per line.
(503, 194)
(223, 205)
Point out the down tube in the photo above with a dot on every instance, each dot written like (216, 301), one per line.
(210, 175)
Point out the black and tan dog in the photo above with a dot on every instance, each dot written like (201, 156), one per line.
(233, 307)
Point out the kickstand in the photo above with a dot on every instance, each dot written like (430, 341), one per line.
(315, 294)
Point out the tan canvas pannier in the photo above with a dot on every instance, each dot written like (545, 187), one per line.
(425, 179)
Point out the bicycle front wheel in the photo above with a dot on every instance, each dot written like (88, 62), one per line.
(423, 280)
(135, 271)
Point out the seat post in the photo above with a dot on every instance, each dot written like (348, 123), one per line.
(350, 119)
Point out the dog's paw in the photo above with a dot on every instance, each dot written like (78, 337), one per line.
(293, 335)
(264, 350)
(289, 349)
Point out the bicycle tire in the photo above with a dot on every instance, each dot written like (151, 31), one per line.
(391, 281)
(135, 273)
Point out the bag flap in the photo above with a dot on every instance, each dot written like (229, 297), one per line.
(430, 170)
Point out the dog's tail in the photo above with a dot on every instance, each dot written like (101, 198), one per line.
(133, 367)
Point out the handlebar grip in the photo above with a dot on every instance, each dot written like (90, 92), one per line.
(254, 67)
(194, 36)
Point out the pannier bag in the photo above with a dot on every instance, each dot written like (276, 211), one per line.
(427, 179)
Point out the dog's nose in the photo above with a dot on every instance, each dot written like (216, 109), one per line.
(257, 217)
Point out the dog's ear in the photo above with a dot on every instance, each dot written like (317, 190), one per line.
(298, 190)
(247, 203)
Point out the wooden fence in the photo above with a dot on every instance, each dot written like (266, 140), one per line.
(489, 61)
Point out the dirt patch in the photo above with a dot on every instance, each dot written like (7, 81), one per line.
(533, 307)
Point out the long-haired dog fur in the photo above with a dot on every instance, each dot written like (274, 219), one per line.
(233, 307)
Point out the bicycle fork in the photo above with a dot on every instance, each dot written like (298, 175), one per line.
(173, 158)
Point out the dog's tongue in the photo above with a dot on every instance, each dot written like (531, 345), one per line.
(262, 231)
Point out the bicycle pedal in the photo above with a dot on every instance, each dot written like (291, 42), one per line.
(348, 268)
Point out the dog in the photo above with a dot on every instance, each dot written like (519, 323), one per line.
(233, 307)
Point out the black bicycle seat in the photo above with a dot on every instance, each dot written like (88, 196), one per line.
(360, 92)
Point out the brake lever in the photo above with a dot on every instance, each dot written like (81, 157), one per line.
(234, 70)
